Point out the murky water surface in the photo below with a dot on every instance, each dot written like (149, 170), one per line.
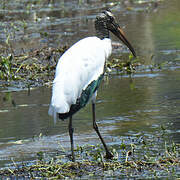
(125, 106)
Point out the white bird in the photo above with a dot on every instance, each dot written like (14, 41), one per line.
(80, 70)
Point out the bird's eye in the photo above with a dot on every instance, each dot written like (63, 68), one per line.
(109, 15)
(111, 18)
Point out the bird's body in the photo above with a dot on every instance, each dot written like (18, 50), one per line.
(78, 67)
(80, 70)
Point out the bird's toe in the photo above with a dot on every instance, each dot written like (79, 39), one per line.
(109, 155)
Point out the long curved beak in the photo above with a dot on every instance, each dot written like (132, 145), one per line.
(117, 31)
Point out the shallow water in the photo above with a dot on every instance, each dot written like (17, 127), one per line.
(126, 106)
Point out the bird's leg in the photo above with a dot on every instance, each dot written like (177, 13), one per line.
(108, 154)
(71, 138)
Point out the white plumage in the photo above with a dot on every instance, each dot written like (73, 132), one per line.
(79, 72)
(76, 69)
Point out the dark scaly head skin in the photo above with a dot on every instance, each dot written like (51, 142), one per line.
(106, 22)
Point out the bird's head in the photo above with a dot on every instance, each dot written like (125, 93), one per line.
(106, 22)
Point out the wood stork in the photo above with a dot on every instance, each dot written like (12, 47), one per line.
(80, 70)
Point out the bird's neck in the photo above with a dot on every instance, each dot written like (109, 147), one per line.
(101, 30)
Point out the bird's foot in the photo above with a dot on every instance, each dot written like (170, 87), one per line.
(108, 155)
(71, 157)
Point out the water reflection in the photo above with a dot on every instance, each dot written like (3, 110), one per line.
(121, 111)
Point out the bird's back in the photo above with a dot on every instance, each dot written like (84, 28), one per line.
(77, 68)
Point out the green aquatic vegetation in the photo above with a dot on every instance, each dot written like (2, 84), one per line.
(38, 66)
(6, 68)
(128, 65)
(142, 158)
